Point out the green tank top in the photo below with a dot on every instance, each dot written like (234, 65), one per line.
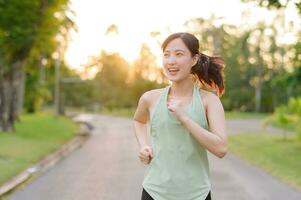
(179, 169)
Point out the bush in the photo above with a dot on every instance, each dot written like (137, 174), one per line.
(287, 117)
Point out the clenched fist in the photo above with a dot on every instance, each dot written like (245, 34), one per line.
(146, 154)
(176, 108)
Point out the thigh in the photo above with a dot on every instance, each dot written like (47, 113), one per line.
(146, 196)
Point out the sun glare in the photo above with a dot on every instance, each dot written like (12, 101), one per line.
(135, 24)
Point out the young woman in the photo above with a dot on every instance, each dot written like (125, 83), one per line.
(185, 121)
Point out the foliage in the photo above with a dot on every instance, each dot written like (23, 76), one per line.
(287, 116)
(36, 136)
(281, 158)
(40, 62)
(28, 23)
(28, 36)
(145, 74)
(277, 4)
(119, 84)
(111, 81)
(256, 62)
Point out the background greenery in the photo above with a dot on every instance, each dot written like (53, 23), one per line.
(37, 136)
(262, 76)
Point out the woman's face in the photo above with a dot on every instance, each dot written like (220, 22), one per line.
(177, 60)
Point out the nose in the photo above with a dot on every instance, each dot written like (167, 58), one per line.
(171, 60)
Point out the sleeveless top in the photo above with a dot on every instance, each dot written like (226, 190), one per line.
(179, 169)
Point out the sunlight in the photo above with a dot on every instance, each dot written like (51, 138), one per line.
(135, 23)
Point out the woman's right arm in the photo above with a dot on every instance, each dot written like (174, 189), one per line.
(141, 118)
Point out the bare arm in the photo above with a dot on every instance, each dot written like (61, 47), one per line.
(140, 120)
(140, 127)
(214, 140)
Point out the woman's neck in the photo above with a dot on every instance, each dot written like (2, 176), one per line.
(182, 89)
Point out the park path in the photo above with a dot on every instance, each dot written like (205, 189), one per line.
(106, 167)
(252, 125)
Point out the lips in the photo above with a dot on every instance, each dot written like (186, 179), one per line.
(173, 71)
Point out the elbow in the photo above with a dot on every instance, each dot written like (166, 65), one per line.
(222, 152)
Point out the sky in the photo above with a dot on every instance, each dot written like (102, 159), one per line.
(137, 18)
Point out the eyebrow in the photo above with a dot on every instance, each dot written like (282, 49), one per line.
(175, 50)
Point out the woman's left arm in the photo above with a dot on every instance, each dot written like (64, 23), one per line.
(215, 140)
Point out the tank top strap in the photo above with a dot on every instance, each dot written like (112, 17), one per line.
(165, 93)
(198, 104)
(160, 103)
(195, 98)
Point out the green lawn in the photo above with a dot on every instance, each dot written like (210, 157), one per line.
(36, 136)
(279, 157)
(245, 115)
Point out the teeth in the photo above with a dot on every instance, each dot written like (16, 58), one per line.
(173, 70)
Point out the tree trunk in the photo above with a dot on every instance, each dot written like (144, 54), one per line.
(216, 41)
(20, 92)
(10, 95)
(258, 85)
(2, 121)
(5, 99)
(258, 97)
(289, 91)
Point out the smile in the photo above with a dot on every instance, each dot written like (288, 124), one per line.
(173, 71)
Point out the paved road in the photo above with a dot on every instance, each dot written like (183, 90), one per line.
(236, 126)
(107, 168)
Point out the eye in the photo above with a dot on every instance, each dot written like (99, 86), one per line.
(165, 55)
(179, 54)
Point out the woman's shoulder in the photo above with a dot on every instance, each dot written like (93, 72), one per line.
(208, 97)
(151, 95)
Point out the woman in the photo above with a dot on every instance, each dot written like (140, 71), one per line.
(185, 121)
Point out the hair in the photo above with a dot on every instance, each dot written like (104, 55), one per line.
(208, 69)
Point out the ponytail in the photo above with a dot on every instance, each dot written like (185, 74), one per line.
(209, 71)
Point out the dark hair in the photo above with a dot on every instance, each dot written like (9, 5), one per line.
(208, 69)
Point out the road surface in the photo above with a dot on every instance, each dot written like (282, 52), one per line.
(106, 167)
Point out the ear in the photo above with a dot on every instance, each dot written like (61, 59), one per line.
(195, 59)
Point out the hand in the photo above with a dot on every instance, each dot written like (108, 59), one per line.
(146, 154)
(176, 108)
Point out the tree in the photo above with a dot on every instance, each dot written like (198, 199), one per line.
(231, 43)
(111, 82)
(145, 74)
(277, 4)
(24, 27)
(253, 58)
(208, 33)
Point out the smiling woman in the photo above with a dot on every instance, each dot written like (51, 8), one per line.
(185, 121)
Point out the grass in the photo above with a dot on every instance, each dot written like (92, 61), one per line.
(272, 153)
(36, 136)
(245, 115)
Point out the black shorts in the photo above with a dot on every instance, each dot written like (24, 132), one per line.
(146, 196)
